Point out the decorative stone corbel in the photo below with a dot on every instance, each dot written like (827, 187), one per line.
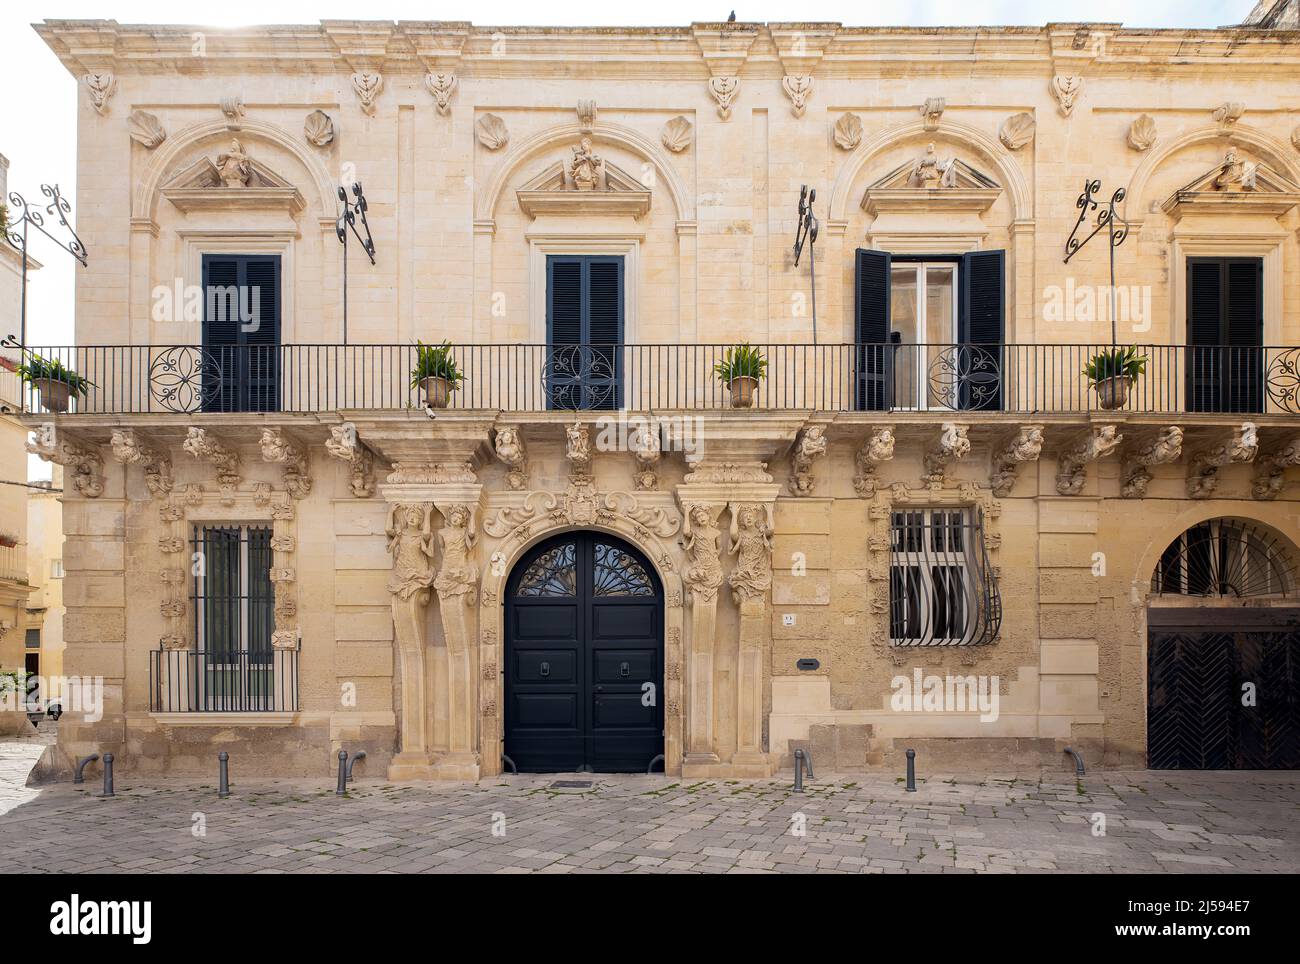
(798, 87)
(879, 447)
(647, 448)
(1227, 114)
(207, 448)
(344, 444)
(129, 450)
(577, 449)
(368, 84)
(932, 111)
(587, 114)
(1161, 449)
(1025, 446)
(1241, 445)
(100, 87)
(233, 107)
(442, 85)
(279, 448)
(1072, 466)
(82, 461)
(509, 449)
(952, 445)
(724, 90)
(810, 446)
(1065, 88)
(1269, 476)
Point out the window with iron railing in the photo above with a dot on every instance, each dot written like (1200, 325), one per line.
(941, 586)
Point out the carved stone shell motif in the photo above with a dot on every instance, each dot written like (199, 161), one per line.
(1017, 130)
(492, 132)
(1142, 133)
(319, 129)
(848, 131)
(677, 134)
(145, 129)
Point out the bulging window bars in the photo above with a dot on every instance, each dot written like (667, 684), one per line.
(942, 591)
(1023, 379)
(1226, 558)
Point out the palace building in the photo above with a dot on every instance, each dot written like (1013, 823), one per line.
(505, 397)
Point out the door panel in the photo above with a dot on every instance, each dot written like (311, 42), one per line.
(585, 637)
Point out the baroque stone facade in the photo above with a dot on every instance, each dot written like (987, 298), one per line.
(395, 529)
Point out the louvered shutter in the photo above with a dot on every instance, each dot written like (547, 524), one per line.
(584, 323)
(875, 356)
(981, 327)
(241, 330)
(221, 330)
(1244, 327)
(261, 334)
(1225, 332)
(604, 333)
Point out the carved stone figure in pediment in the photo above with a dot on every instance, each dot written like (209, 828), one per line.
(1235, 174)
(233, 166)
(586, 167)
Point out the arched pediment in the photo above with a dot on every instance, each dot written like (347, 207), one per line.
(231, 180)
(1239, 184)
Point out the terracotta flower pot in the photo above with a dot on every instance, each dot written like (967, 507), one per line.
(1112, 393)
(55, 395)
(742, 391)
(436, 391)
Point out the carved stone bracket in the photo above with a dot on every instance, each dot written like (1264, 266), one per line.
(100, 87)
(1072, 465)
(82, 461)
(879, 447)
(1241, 445)
(509, 449)
(368, 85)
(279, 448)
(344, 444)
(952, 445)
(442, 85)
(577, 449)
(206, 448)
(129, 450)
(798, 87)
(1164, 447)
(1025, 446)
(647, 449)
(1269, 475)
(808, 447)
(724, 90)
(932, 111)
(1065, 88)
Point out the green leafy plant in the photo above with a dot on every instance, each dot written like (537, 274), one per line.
(1115, 363)
(741, 361)
(435, 361)
(36, 368)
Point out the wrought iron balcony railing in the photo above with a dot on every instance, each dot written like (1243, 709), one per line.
(1020, 379)
(234, 681)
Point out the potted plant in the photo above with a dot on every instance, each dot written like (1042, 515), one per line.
(55, 383)
(740, 370)
(435, 373)
(1112, 372)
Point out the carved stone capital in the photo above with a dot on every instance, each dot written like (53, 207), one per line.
(879, 447)
(343, 444)
(1239, 445)
(81, 460)
(808, 447)
(1072, 465)
(1269, 476)
(1160, 449)
(952, 444)
(1025, 446)
(510, 451)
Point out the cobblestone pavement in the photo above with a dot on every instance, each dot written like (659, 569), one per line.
(1157, 822)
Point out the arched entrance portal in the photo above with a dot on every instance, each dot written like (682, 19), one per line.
(584, 645)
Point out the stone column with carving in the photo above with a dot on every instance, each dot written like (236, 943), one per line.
(410, 544)
(751, 543)
(457, 586)
(701, 578)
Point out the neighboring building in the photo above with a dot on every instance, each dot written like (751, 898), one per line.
(14, 587)
(273, 548)
(43, 636)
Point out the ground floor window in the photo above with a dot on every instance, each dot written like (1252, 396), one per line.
(941, 587)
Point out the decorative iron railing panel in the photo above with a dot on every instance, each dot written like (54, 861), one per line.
(1019, 379)
(234, 681)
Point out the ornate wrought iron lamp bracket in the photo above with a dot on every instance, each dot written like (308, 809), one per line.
(805, 230)
(347, 221)
(1116, 229)
(16, 232)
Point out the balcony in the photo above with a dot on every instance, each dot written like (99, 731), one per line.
(236, 681)
(1015, 379)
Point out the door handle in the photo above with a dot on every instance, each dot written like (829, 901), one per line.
(625, 668)
(545, 668)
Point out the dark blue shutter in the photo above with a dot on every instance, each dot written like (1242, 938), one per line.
(584, 331)
(1244, 327)
(246, 347)
(981, 329)
(1225, 332)
(874, 360)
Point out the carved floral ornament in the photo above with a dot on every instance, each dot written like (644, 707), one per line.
(84, 464)
(724, 90)
(442, 85)
(368, 85)
(1065, 88)
(798, 87)
(100, 87)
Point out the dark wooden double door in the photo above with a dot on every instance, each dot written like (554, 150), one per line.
(584, 658)
(1224, 696)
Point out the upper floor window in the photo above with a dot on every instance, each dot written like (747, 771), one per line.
(941, 587)
(930, 330)
(584, 331)
(1225, 334)
(241, 332)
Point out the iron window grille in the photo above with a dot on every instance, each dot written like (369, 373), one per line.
(942, 591)
(1225, 558)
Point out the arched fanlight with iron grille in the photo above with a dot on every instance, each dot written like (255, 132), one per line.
(1226, 558)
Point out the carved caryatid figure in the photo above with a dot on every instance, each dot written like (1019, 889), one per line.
(410, 544)
(586, 167)
(751, 542)
(233, 166)
(704, 574)
(456, 575)
(578, 448)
